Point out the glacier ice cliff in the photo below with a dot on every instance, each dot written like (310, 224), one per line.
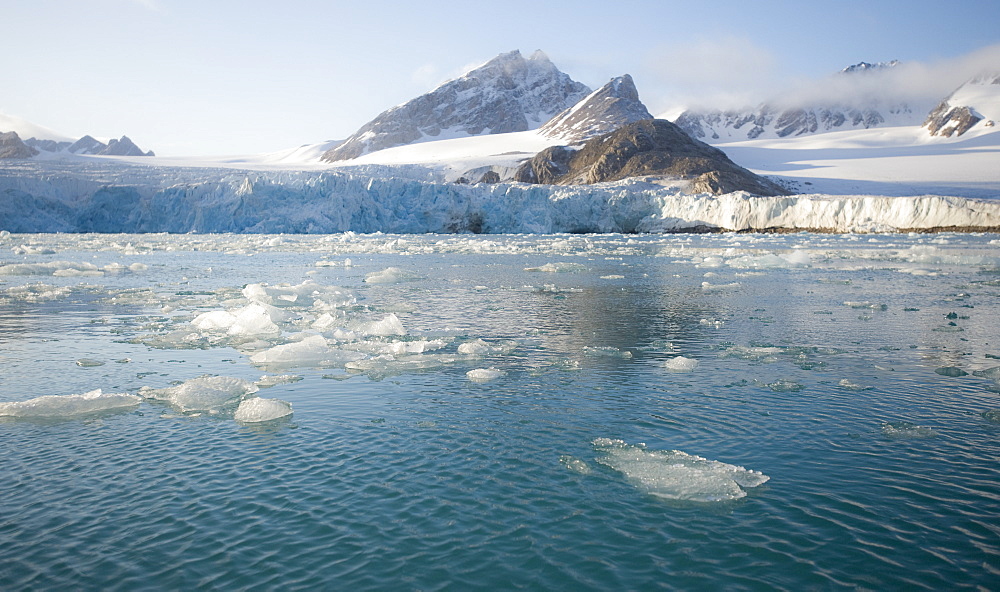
(109, 196)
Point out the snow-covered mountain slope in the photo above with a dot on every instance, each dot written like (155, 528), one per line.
(74, 196)
(975, 103)
(900, 161)
(606, 109)
(509, 93)
(855, 105)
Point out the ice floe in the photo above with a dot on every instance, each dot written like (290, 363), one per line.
(681, 364)
(905, 430)
(484, 374)
(209, 394)
(68, 406)
(258, 410)
(676, 475)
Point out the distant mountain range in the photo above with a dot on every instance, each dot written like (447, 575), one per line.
(38, 139)
(769, 120)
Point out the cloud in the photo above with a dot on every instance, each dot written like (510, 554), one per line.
(737, 75)
(908, 82)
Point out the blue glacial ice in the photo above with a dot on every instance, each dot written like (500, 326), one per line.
(76, 197)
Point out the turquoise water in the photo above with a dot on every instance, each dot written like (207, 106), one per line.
(858, 374)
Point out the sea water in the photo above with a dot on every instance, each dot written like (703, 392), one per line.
(458, 412)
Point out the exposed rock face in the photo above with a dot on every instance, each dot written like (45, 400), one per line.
(122, 147)
(955, 115)
(87, 145)
(606, 109)
(11, 146)
(507, 94)
(48, 145)
(652, 147)
(946, 120)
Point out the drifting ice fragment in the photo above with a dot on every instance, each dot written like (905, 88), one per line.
(56, 406)
(205, 393)
(391, 275)
(267, 381)
(561, 267)
(905, 430)
(390, 325)
(676, 475)
(257, 410)
(310, 352)
(681, 364)
(484, 374)
(89, 363)
(853, 386)
(574, 464)
(992, 415)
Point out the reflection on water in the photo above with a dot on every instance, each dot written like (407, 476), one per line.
(817, 443)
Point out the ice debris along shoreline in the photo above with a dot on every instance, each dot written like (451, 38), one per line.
(379, 199)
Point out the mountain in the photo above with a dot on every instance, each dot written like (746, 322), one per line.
(776, 120)
(11, 146)
(606, 109)
(651, 147)
(975, 101)
(509, 93)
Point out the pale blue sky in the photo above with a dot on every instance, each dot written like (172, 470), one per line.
(190, 77)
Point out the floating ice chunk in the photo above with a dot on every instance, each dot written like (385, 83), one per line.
(216, 320)
(56, 406)
(574, 464)
(992, 415)
(53, 268)
(613, 276)
(390, 325)
(391, 275)
(89, 363)
(676, 475)
(257, 410)
(865, 304)
(484, 374)
(853, 386)
(267, 381)
(38, 292)
(951, 371)
(784, 385)
(313, 351)
(559, 267)
(252, 320)
(606, 352)
(991, 373)
(325, 321)
(206, 393)
(402, 348)
(475, 348)
(681, 364)
(32, 250)
(905, 429)
(709, 288)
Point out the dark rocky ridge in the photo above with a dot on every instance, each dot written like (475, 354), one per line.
(507, 94)
(608, 108)
(11, 146)
(948, 119)
(651, 147)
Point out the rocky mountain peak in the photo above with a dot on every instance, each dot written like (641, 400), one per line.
(606, 109)
(11, 146)
(978, 100)
(650, 147)
(506, 94)
(866, 67)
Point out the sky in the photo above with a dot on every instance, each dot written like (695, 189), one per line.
(217, 77)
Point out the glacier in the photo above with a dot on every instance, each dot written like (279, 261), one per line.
(114, 196)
